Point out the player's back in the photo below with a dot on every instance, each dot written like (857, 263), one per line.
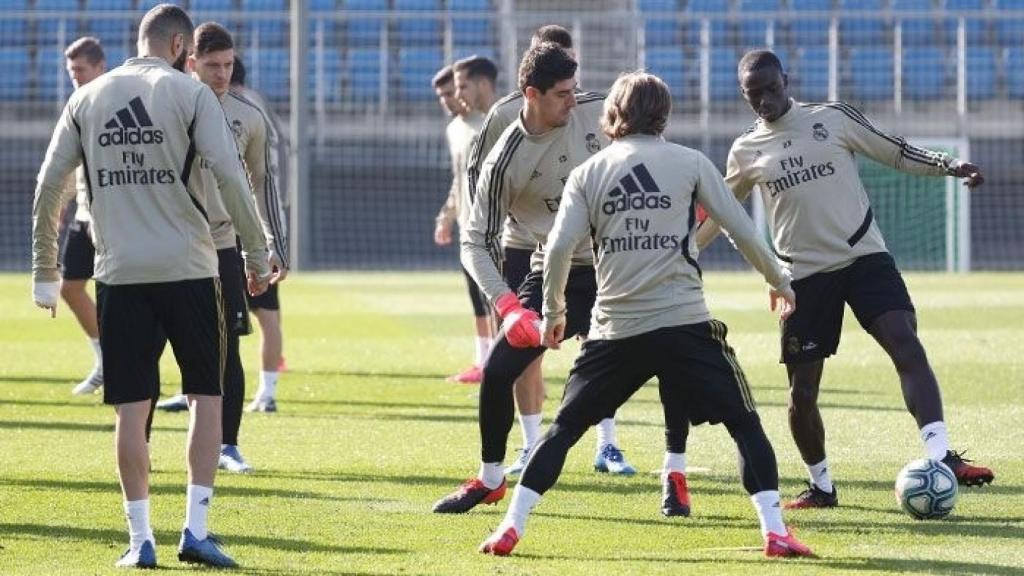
(136, 126)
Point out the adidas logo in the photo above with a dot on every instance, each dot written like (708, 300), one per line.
(205, 502)
(631, 195)
(132, 126)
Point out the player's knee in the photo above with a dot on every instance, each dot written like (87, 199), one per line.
(802, 397)
(565, 431)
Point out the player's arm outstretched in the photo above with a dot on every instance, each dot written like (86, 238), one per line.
(724, 208)
(571, 226)
(860, 135)
(268, 198)
(741, 188)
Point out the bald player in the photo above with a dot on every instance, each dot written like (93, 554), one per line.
(137, 131)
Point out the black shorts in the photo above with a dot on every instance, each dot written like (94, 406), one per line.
(232, 280)
(79, 253)
(134, 319)
(695, 366)
(580, 295)
(266, 301)
(871, 285)
(516, 267)
(480, 307)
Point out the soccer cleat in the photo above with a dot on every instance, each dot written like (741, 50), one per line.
(610, 459)
(501, 543)
(471, 375)
(262, 405)
(517, 467)
(206, 551)
(470, 493)
(967, 474)
(232, 461)
(814, 497)
(176, 403)
(787, 546)
(144, 557)
(92, 383)
(675, 497)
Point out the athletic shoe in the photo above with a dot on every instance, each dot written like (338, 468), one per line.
(471, 375)
(813, 497)
(232, 461)
(966, 474)
(787, 546)
(470, 493)
(206, 551)
(262, 405)
(501, 543)
(517, 467)
(610, 459)
(144, 557)
(675, 497)
(177, 403)
(92, 383)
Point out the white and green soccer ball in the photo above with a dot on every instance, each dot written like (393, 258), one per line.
(926, 489)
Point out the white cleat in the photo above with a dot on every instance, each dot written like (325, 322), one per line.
(262, 405)
(232, 461)
(92, 383)
(177, 403)
(517, 467)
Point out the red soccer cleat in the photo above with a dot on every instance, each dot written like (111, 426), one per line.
(471, 375)
(967, 474)
(675, 497)
(813, 497)
(470, 493)
(788, 546)
(501, 543)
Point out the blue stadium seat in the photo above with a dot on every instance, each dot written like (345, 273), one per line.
(809, 74)
(58, 11)
(660, 31)
(418, 30)
(416, 67)
(14, 30)
(470, 26)
(862, 30)
(926, 74)
(270, 32)
(977, 28)
(982, 73)
(211, 5)
(111, 31)
(1010, 31)
(871, 70)
(811, 31)
(667, 62)
(753, 31)
(330, 79)
(145, 5)
(361, 31)
(1015, 72)
(363, 70)
(460, 52)
(271, 72)
(51, 75)
(917, 30)
(719, 26)
(116, 55)
(723, 82)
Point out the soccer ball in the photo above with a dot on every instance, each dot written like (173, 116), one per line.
(926, 489)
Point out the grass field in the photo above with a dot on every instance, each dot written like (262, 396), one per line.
(369, 435)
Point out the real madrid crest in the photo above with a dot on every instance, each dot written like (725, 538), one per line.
(236, 128)
(593, 145)
(819, 131)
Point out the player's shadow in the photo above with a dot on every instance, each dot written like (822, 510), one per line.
(71, 426)
(380, 375)
(370, 404)
(69, 403)
(37, 379)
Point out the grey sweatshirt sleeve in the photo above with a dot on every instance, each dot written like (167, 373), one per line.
(570, 228)
(861, 136)
(740, 187)
(481, 252)
(62, 156)
(264, 186)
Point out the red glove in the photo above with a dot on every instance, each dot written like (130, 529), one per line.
(521, 324)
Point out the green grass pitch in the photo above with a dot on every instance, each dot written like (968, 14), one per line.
(369, 435)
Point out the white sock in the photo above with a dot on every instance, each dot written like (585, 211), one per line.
(606, 433)
(673, 463)
(483, 346)
(820, 476)
(492, 474)
(936, 439)
(197, 506)
(769, 512)
(95, 342)
(139, 530)
(268, 385)
(530, 423)
(523, 501)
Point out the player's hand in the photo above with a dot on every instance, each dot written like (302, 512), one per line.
(257, 284)
(522, 325)
(442, 234)
(788, 298)
(278, 268)
(553, 333)
(970, 173)
(45, 294)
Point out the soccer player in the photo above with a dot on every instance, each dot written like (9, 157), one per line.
(211, 63)
(636, 201)
(802, 157)
(267, 306)
(467, 118)
(137, 130)
(85, 62)
(523, 177)
(518, 247)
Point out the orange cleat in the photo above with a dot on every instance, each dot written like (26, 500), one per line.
(788, 546)
(471, 375)
(501, 543)
(470, 493)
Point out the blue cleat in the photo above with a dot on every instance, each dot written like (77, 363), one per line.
(231, 460)
(206, 551)
(144, 557)
(610, 459)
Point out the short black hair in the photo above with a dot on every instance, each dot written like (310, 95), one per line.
(238, 72)
(163, 21)
(444, 76)
(212, 37)
(758, 60)
(87, 46)
(545, 65)
(553, 33)
(477, 66)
